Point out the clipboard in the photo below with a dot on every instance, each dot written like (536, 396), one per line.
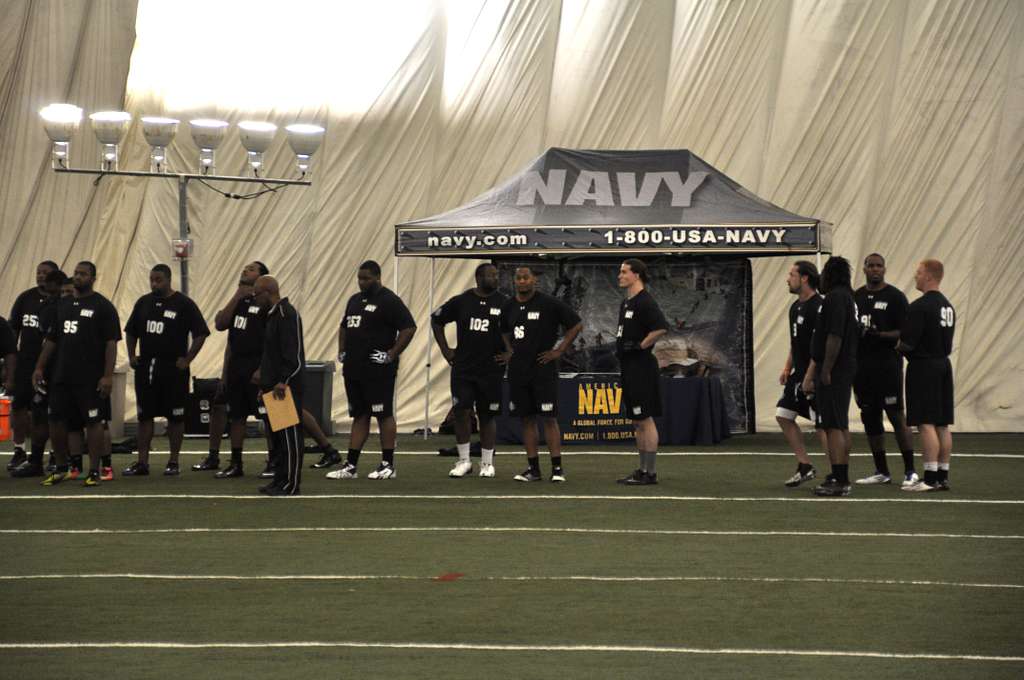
(281, 413)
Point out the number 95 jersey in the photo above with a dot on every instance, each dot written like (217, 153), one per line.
(81, 329)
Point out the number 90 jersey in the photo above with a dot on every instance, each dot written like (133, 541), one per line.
(478, 330)
(82, 327)
(163, 324)
(927, 331)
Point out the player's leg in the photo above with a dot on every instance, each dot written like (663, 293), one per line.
(382, 399)
(553, 436)
(144, 437)
(487, 396)
(931, 450)
(21, 425)
(462, 402)
(904, 439)
(94, 443)
(218, 424)
(531, 442)
(359, 411)
(945, 437)
(59, 439)
(329, 454)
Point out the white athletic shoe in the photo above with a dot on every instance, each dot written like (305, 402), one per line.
(910, 480)
(346, 471)
(383, 471)
(918, 486)
(877, 478)
(486, 470)
(461, 469)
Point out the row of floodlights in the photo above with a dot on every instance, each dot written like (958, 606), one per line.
(62, 120)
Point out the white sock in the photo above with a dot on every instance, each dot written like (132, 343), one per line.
(486, 456)
(944, 466)
(931, 466)
(463, 451)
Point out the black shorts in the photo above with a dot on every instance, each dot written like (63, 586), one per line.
(641, 386)
(538, 397)
(930, 392)
(240, 394)
(161, 390)
(794, 401)
(370, 395)
(879, 384)
(481, 392)
(77, 406)
(24, 393)
(832, 404)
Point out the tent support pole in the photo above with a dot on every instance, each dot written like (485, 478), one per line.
(430, 353)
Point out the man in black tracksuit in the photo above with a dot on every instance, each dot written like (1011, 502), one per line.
(282, 364)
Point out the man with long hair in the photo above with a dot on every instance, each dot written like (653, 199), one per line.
(830, 374)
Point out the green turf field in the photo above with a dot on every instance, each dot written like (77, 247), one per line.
(719, 571)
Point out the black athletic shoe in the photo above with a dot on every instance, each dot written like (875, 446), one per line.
(528, 475)
(17, 458)
(27, 469)
(172, 469)
(268, 471)
(230, 471)
(942, 486)
(330, 458)
(312, 448)
(832, 489)
(266, 489)
(644, 479)
(208, 463)
(632, 478)
(281, 491)
(136, 469)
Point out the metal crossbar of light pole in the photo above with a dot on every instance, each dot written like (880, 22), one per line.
(183, 179)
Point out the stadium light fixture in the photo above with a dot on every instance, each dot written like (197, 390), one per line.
(256, 137)
(159, 133)
(304, 139)
(207, 133)
(109, 127)
(60, 122)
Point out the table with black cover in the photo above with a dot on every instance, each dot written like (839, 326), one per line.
(589, 412)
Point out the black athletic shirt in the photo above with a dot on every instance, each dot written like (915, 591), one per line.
(478, 327)
(927, 331)
(372, 322)
(638, 316)
(7, 343)
(163, 325)
(82, 327)
(25, 322)
(248, 324)
(882, 310)
(838, 316)
(534, 327)
(802, 318)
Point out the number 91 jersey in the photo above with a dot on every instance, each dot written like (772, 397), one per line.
(478, 330)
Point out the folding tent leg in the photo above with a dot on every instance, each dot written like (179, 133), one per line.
(430, 352)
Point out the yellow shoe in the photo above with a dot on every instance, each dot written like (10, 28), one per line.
(55, 478)
(92, 479)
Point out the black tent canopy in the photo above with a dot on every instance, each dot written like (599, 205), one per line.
(584, 202)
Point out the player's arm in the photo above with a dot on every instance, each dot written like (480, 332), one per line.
(812, 371)
(341, 342)
(442, 342)
(130, 342)
(222, 320)
(193, 350)
(10, 364)
(651, 337)
(49, 346)
(910, 334)
(787, 369)
(401, 342)
(106, 383)
(504, 357)
(554, 354)
(833, 343)
(291, 359)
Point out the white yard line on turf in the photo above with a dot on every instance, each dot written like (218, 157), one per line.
(449, 646)
(668, 454)
(463, 577)
(526, 530)
(92, 496)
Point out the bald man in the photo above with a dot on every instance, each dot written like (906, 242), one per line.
(284, 358)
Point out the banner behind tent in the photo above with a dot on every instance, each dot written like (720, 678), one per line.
(707, 304)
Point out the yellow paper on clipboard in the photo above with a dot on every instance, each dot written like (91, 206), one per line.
(280, 412)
